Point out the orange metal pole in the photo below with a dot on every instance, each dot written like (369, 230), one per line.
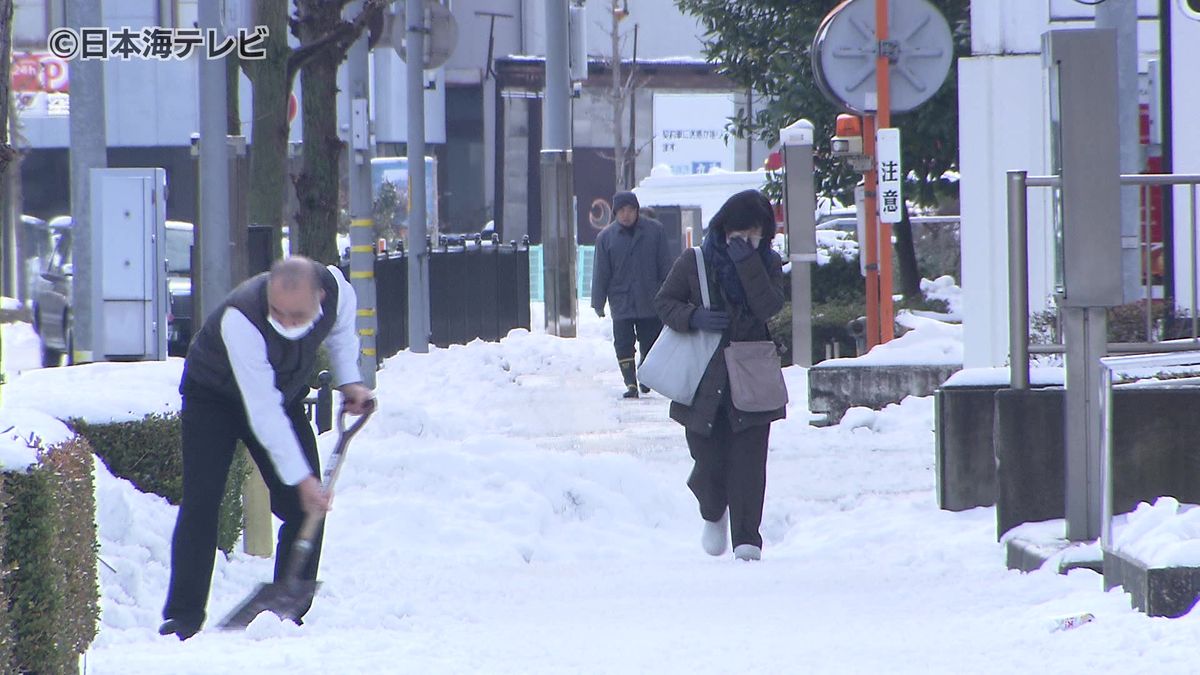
(871, 247)
(883, 83)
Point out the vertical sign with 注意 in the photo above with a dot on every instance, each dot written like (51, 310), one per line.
(891, 176)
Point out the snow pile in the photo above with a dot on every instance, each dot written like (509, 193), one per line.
(928, 342)
(100, 393)
(1045, 376)
(21, 350)
(9, 304)
(945, 289)
(835, 242)
(23, 431)
(1165, 534)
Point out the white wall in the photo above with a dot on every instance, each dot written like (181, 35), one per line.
(1001, 127)
(665, 31)
(1185, 51)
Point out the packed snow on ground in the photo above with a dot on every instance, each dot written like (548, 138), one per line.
(506, 512)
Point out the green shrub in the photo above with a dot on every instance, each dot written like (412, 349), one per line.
(147, 454)
(1126, 323)
(51, 596)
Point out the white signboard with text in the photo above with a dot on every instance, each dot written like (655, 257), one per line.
(689, 132)
(891, 176)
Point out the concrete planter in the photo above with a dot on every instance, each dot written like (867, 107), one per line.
(966, 462)
(1154, 444)
(833, 390)
(1161, 591)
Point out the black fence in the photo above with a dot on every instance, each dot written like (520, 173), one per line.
(477, 289)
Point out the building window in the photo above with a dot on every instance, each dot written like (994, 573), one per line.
(34, 19)
(31, 23)
(186, 13)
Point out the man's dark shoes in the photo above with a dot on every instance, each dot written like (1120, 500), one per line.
(645, 389)
(631, 391)
(179, 628)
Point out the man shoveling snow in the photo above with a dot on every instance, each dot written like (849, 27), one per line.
(245, 378)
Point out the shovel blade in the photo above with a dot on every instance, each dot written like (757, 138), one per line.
(287, 600)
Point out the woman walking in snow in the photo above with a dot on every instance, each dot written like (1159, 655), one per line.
(729, 445)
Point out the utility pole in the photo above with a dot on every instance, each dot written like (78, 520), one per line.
(883, 119)
(213, 237)
(418, 251)
(558, 212)
(618, 96)
(89, 150)
(362, 224)
(1121, 16)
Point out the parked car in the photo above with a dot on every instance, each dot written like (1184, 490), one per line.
(180, 238)
(52, 292)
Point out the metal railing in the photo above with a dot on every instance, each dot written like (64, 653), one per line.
(1108, 366)
(1018, 272)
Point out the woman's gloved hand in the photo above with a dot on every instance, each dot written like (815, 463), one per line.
(740, 249)
(709, 320)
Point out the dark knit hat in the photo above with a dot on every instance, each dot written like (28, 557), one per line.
(745, 210)
(624, 199)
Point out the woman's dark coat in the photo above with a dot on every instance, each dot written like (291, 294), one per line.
(680, 296)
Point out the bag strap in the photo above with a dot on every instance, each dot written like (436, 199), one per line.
(700, 269)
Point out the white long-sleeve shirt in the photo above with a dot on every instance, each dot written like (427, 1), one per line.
(255, 378)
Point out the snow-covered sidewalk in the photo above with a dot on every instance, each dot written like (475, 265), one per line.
(505, 512)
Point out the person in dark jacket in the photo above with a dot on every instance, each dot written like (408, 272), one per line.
(729, 446)
(245, 378)
(632, 260)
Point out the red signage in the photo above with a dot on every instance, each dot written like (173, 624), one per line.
(39, 73)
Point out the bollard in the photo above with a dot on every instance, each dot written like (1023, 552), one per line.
(324, 402)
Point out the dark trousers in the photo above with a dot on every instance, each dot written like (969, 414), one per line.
(626, 331)
(731, 471)
(212, 425)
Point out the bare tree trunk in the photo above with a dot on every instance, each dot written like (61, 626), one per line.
(906, 258)
(10, 267)
(317, 184)
(618, 98)
(268, 154)
(7, 152)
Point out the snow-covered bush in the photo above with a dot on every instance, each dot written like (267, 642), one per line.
(49, 596)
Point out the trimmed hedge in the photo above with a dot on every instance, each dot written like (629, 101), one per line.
(147, 454)
(49, 593)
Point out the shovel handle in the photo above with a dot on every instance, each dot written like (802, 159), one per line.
(302, 547)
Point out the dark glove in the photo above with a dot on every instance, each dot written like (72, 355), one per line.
(740, 249)
(709, 320)
(599, 311)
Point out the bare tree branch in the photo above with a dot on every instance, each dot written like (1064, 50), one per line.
(340, 38)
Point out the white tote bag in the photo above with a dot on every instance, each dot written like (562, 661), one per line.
(677, 360)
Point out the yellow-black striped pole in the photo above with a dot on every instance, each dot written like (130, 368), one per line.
(362, 278)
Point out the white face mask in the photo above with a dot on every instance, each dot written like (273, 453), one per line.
(754, 239)
(295, 332)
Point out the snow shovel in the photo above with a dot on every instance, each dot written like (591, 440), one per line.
(291, 595)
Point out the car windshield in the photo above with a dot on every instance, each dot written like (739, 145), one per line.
(179, 251)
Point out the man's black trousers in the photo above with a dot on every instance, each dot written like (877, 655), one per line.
(212, 426)
(626, 331)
